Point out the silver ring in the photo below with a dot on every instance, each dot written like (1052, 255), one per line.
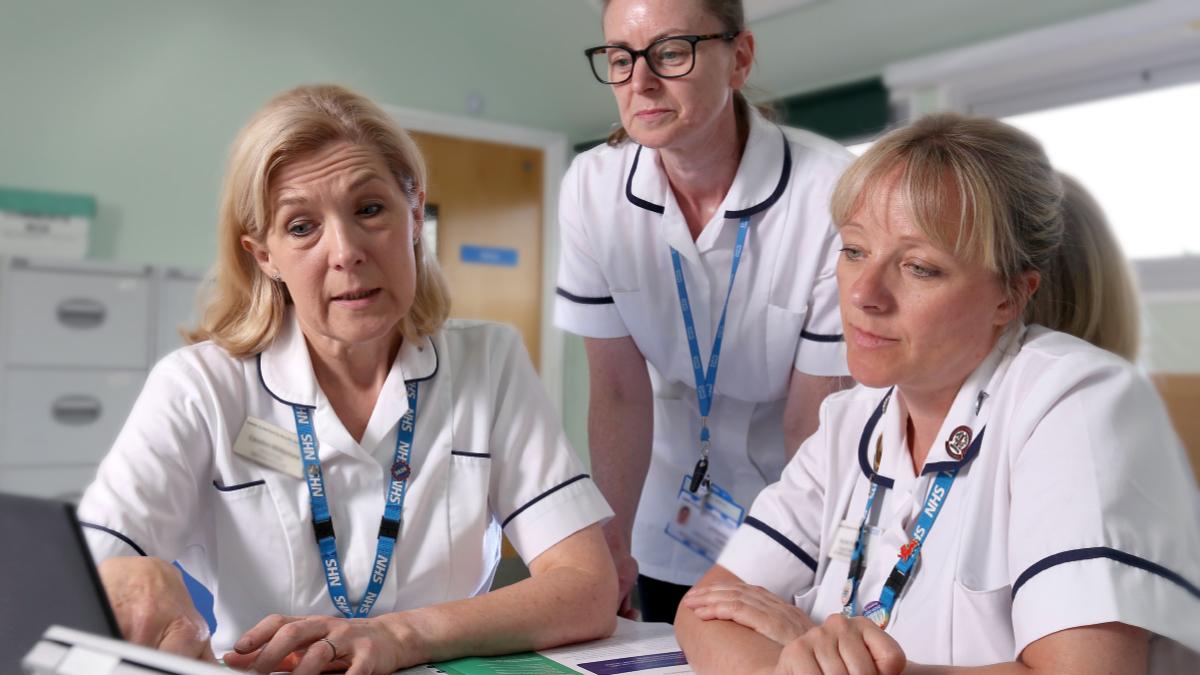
(331, 646)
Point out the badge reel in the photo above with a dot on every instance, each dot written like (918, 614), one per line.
(705, 515)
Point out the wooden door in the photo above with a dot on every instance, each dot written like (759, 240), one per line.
(489, 229)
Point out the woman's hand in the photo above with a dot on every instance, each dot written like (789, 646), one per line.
(843, 646)
(307, 645)
(153, 607)
(751, 606)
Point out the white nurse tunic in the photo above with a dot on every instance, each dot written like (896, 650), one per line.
(1078, 508)
(618, 220)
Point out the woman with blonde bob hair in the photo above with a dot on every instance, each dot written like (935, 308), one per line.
(994, 496)
(333, 457)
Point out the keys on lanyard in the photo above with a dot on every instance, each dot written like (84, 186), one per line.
(389, 526)
(706, 382)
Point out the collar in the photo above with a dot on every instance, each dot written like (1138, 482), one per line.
(970, 409)
(286, 373)
(761, 178)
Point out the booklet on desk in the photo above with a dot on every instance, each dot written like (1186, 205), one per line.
(642, 648)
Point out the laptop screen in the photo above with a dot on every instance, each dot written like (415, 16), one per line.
(46, 577)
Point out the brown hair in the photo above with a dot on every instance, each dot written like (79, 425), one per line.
(1089, 290)
(1008, 197)
(732, 16)
(245, 308)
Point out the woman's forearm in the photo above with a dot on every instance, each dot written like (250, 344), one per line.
(571, 598)
(719, 646)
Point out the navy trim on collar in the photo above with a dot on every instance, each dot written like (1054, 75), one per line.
(784, 176)
(437, 363)
(634, 199)
(818, 337)
(864, 445)
(1079, 554)
(972, 450)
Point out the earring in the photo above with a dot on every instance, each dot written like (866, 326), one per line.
(277, 278)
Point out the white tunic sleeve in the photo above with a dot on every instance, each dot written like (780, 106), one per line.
(1103, 518)
(539, 490)
(584, 304)
(778, 543)
(146, 496)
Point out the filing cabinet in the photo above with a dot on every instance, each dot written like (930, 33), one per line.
(76, 342)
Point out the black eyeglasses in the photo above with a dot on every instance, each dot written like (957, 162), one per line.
(668, 57)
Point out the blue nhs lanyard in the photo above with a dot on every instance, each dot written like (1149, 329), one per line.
(880, 611)
(389, 526)
(705, 384)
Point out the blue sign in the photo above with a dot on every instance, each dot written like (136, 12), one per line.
(488, 255)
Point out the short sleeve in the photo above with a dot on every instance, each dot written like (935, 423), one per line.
(1103, 524)
(539, 490)
(583, 304)
(822, 347)
(146, 490)
(777, 545)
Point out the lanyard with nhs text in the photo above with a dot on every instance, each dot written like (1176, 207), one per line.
(389, 526)
(705, 384)
(880, 611)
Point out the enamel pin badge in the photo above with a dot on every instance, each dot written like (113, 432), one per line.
(959, 441)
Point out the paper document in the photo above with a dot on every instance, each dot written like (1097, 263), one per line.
(641, 648)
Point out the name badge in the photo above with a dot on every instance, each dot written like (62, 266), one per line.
(843, 542)
(268, 445)
(704, 521)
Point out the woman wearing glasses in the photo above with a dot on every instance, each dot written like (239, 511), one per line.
(698, 236)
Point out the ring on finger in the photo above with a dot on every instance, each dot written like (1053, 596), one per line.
(332, 648)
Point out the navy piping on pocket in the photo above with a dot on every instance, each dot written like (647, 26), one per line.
(817, 337)
(782, 541)
(1104, 552)
(583, 300)
(239, 486)
(542, 496)
(116, 534)
(482, 455)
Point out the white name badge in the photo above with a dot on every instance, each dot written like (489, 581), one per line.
(843, 542)
(266, 444)
(704, 521)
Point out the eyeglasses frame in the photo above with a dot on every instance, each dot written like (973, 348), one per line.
(726, 36)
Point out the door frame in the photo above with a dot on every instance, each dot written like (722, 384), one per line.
(554, 164)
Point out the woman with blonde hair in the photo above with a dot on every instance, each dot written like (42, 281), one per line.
(994, 496)
(333, 457)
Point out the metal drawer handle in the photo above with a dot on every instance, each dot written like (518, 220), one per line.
(76, 409)
(81, 313)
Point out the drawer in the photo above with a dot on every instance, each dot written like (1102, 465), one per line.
(65, 482)
(77, 318)
(54, 417)
(177, 308)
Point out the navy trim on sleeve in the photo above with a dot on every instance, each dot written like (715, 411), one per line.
(1103, 552)
(116, 534)
(542, 496)
(817, 337)
(239, 486)
(582, 300)
(482, 455)
(782, 541)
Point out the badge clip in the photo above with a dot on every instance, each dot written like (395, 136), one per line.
(699, 474)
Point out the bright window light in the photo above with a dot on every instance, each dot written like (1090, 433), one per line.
(1139, 156)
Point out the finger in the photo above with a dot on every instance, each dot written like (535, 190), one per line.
(314, 659)
(828, 656)
(888, 656)
(295, 636)
(856, 656)
(797, 659)
(262, 631)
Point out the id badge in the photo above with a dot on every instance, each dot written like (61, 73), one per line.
(704, 521)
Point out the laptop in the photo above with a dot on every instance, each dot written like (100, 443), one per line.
(52, 605)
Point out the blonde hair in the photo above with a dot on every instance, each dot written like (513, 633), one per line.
(1090, 290)
(1006, 193)
(246, 308)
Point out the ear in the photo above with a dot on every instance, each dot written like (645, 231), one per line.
(261, 254)
(743, 59)
(1024, 286)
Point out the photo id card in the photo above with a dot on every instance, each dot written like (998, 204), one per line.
(704, 521)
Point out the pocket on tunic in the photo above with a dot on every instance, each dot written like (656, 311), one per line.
(807, 600)
(474, 532)
(981, 632)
